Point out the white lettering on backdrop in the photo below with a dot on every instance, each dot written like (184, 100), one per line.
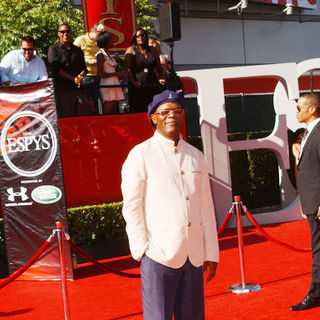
(214, 131)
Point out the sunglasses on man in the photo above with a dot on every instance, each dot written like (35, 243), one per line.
(165, 113)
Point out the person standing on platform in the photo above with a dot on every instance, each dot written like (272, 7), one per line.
(165, 60)
(169, 214)
(308, 112)
(108, 74)
(69, 69)
(23, 65)
(88, 44)
(144, 72)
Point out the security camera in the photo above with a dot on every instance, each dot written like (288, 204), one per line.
(243, 4)
(288, 9)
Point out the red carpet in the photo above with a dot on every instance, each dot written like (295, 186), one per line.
(282, 273)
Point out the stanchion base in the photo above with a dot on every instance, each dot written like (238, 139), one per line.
(244, 288)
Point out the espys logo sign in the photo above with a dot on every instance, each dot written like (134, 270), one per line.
(28, 149)
(46, 194)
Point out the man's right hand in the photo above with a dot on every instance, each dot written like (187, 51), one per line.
(78, 80)
(137, 84)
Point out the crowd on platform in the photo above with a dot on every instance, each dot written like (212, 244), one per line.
(86, 76)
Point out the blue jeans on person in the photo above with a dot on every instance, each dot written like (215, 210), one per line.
(167, 291)
(91, 84)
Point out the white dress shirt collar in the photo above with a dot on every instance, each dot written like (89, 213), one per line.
(311, 125)
(170, 143)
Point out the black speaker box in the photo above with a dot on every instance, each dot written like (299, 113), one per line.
(169, 22)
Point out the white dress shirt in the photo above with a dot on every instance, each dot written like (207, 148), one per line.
(167, 203)
(16, 69)
(309, 127)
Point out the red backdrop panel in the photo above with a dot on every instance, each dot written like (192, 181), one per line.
(117, 15)
(93, 150)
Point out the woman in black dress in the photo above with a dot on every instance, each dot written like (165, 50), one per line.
(144, 72)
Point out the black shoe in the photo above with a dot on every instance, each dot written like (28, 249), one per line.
(307, 303)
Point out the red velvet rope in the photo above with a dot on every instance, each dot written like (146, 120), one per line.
(104, 268)
(267, 236)
(97, 263)
(225, 222)
(260, 229)
(17, 273)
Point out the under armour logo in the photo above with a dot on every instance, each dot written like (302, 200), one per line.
(21, 194)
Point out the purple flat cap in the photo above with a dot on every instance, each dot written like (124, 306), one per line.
(163, 97)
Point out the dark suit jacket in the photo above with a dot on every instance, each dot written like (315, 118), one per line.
(309, 173)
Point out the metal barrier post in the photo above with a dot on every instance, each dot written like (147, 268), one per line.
(242, 287)
(100, 107)
(60, 236)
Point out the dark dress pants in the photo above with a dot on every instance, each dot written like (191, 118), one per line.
(91, 84)
(167, 291)
(314, 290)
(71, 102)
(139, 98)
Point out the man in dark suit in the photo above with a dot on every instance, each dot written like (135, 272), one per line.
(308, 112)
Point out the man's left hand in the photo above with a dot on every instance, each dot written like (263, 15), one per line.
(212, 266)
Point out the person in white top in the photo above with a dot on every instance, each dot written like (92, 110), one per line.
(169, 214)
(23, 65)
(108, 74)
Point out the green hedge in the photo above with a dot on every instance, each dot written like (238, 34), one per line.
(258, 183)
(254, 173)
(89, 224)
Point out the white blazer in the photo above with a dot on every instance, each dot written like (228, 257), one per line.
(167, 203)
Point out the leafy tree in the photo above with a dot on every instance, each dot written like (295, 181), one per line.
(38, 18)
(145, 16)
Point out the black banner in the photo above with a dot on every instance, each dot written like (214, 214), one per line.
(31, 178)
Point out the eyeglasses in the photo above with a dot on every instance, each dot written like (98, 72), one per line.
(64, 31)
(27, 49)
(140, 35)
(165, 113)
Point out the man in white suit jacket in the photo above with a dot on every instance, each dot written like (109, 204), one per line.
(170, 217)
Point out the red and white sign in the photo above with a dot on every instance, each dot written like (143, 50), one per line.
(118, 16)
